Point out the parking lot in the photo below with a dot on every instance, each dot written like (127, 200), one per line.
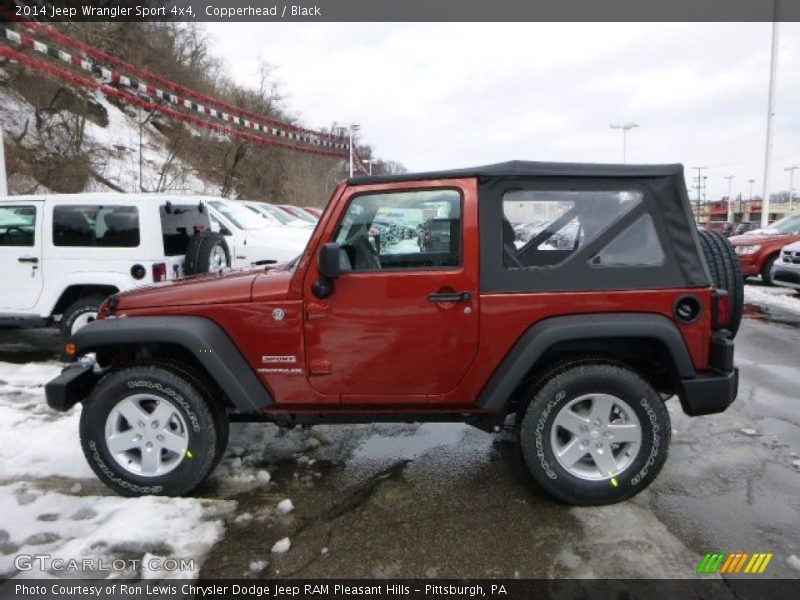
(432, 500)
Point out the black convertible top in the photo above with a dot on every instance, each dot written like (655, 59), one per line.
(526, 168)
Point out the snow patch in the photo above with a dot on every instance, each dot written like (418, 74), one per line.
(108, 528)
(282, 546)
(285, 506)
(785, 298)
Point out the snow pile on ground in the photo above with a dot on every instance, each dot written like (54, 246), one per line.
(785, 298)
(142, 532)
(36, 441)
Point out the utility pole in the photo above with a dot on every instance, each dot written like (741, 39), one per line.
(751, 182)
(626, 127)
(699, 179)
(730, 202)
(791, 186)
(773, 64)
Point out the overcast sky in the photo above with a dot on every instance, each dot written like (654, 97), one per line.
(453, 95)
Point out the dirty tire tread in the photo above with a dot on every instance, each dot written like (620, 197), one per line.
(196, 412)
(735, 278)
(193, 253)
(560, 389)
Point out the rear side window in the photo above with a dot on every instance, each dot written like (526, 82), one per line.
(17, 226)
(543, 228)
(179, 222)
(96, 226)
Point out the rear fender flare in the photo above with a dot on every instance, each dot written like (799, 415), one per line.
(532, 345)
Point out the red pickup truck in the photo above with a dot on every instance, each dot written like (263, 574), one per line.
(575, 344)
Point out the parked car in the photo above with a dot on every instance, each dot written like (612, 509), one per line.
(317, 212)
(580, 344)
(786, 271)
(298, 212)
(61, 255)
(276, 215)
(758, 251)
(723, 227)
(251, 239)
(746, 227)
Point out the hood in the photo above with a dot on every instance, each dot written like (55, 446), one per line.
(228, 287)
(272, 285)
(753, 239)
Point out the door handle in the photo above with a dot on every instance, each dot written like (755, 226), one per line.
(453, 297)
(28, 259)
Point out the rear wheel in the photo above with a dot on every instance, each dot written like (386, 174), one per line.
(147, 430)
(78, 314)
(594, 434)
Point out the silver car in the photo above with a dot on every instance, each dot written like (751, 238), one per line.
(786, 271)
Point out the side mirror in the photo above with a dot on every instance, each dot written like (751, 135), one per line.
(225, 231)
(329, 265)
(329, 269)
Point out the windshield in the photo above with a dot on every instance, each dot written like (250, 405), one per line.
(282, 216)
(789, 225)
(301, 214)
(238, 215)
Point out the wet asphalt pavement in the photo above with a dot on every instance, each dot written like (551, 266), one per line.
(446, 500)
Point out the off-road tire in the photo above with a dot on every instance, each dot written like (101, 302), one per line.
(200, 249)
(726, 273)
(549, 397)
(79, 308)
(212, 395)
(766, 270)
(205, 430)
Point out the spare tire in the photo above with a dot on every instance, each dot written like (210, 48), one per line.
(726, 273)
(207, 252)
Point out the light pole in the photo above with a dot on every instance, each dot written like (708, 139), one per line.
(354, 127)
(751, 182)
(773, 65)
(791, 185)
(625, 127)
(370, 162)
(730, 204)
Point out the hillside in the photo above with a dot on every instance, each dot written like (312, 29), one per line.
(64, 138)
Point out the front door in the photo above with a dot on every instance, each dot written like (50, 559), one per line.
(21, 255)
(402, 322)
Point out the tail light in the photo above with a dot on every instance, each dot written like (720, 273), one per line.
(159, 272)
(721, 309)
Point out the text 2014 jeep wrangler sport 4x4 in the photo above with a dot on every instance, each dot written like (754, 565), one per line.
(578, 334)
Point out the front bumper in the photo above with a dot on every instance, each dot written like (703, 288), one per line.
(73, 385)
(749, 264)
(786, 276)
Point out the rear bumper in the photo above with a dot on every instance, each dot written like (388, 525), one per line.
(709, 393)
(714, 391)
(73, 385)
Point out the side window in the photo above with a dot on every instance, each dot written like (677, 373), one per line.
(96, 226)
(418, 229)
(17, 226)
(637, 246)
(543, 228)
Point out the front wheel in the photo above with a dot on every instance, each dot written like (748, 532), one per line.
(766, 270)
(145, 430)
(594, 434)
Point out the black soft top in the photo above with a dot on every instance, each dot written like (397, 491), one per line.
(526, 168)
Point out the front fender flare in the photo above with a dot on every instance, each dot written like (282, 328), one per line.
(202, 337)
(530, 347)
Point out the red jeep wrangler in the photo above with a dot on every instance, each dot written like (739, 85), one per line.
(577, 336)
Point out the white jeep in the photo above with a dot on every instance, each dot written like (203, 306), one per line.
(62, 255)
